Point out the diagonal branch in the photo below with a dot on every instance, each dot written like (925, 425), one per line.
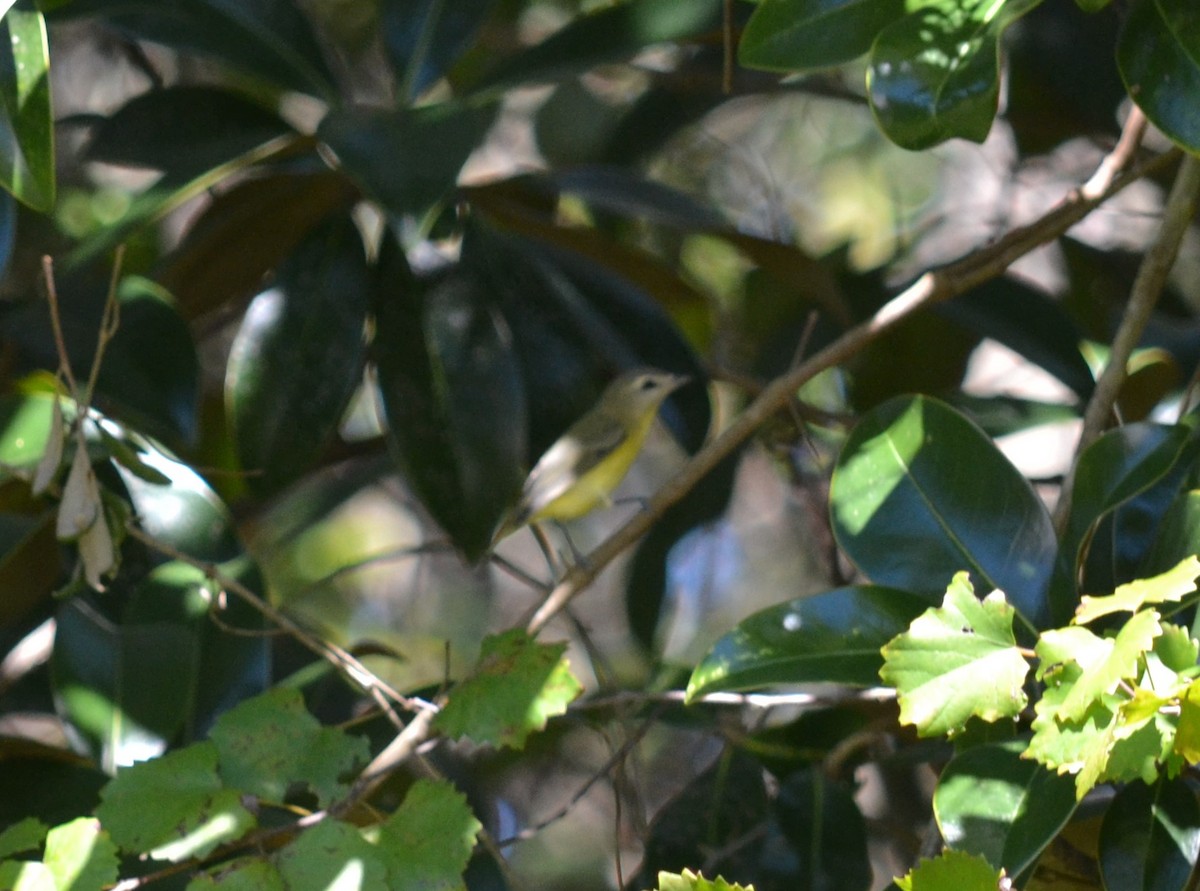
(931, 288)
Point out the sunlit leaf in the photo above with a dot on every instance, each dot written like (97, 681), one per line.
(427, 842)
(81, 855)
(957, 661)
(799, 35)
(951, 871)
(1169, 587)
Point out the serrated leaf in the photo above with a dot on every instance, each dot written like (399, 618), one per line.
(1158, 54)
(935, 73)
(1104, 662)
(269, 743)
(690, 881)
(26, 112)
(330, 854)
(427, 842)
(81, 855)
(951, 871)
(913, 501)
(173, 807)
(799, 35)
(254, 874)
(1150, 837)
(23, 836)
(1169, 587)
(517, 685)
(834, 636)
(957, 661)
(991, 802)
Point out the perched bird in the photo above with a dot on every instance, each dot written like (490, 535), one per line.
(579, 472)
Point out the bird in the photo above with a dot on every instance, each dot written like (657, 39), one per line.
(582, 468)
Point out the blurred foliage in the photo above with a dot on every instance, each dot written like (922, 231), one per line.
(328, 277)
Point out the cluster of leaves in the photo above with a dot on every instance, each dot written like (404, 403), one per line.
(485, 318)
(1115, 703)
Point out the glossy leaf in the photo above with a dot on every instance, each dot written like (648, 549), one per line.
(26, 114)
(801, 35)
(406, 159)
(920, 493)
(611, 34)
(450, 387)
(269, 39)
(991, 802)
(1119, 465)
(298, 356)
(835, 636)
(1150, 838)
(424, 38)
(1158, 54)
(244, 233)
(934, 73)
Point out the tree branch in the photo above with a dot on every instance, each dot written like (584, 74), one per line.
(931, 288)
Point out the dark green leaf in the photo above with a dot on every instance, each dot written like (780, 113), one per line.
(29, 565)
(799, 35)
(920, 493)
(270, 39)
(612, 34)
(1158, 53)
(835, 636)
(1119, 465)
(423, 38)
(407, 159)
(317, 861)
(298, 356)
(990, 801)
(821, 821)
(244, 233)
(451, 393)
(184, 131)
(26, 118)
(934, 73)
(1150, 838)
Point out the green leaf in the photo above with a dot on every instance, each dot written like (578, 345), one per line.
(991, 802)
(802, 35)
(1118, 466)
(1150, 837)
(835, 636)
(185, 130)
(424, 38)
(690, 881)
(428, 840)
(1187, 733)
(957, 661)
(80, 855)
(269, 39)
(916, 497)
(1169, 587)
(173, 807)
(245, 232)
(935, 74)
(269, 743)
(951, 871)
(298, 357)
(611, 34)
(30, 565)
(1082, 746)
(330, 854)
(1105, 662)
(1158, 54)
(254, 873)
(27, 117)
(26, 421)
(407, 159)
(452, 399)
(22, 875)
(22, 837)
(517, 685)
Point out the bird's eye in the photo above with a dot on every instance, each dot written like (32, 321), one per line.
(648, 383)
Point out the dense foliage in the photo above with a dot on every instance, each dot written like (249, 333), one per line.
(296, 293)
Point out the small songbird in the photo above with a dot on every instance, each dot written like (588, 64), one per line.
(580, 471)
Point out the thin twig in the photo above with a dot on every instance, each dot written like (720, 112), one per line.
(933, 287)
(1152, 275)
